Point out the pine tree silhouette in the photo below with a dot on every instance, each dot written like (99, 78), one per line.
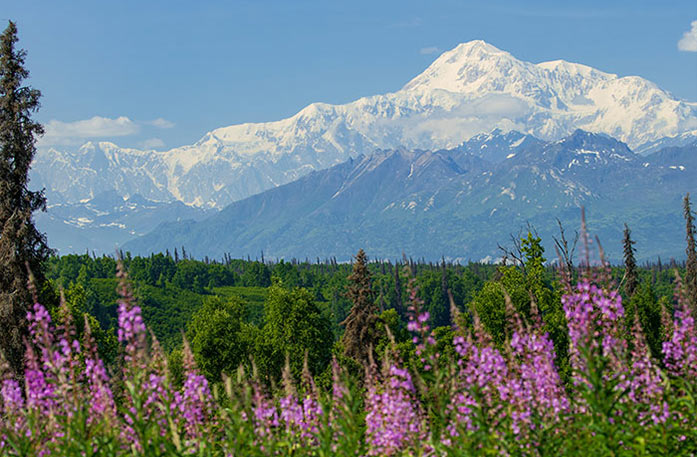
(22, 247)
(360, 336)
(691, 264)
(631, 279)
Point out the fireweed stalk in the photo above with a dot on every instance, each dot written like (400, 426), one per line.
(535, 391)
(393, 419)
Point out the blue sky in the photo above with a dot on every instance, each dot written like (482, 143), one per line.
(162, 73)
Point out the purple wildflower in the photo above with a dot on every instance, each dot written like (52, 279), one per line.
(535, 383)
(102, 404)
(39, 392)
(644, 382)
(131, 329)
(593, 316)
(12, 399)
(194, 403)
(394, 420)
(265, 413)
(680, 351)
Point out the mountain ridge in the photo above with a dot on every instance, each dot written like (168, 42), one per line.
(470, 89)
(441, 203)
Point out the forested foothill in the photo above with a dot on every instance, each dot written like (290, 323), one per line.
(241, 305)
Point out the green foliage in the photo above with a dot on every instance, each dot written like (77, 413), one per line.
(691, 251)
(166, 310)
(390, 324)
(219, 337)
(433, 288)
(256, 274)
(175, 364)
(630, 271)
(645, 304)
(77, 305)
(525, 284)
(294, 325)
(253, 298)
(490, 303)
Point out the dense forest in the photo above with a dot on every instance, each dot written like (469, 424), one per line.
(235, 310)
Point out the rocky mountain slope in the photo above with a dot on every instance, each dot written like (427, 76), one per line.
(475, 98)
(454, 203)
(468, 90)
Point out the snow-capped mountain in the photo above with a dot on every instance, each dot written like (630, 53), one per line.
(684, 139)
(468, 90)
(454, 203)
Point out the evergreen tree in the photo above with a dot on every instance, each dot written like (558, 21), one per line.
(22, 246)
(444, 291)
(399, 306)
(360, 334)
(646, 305)
(630, 270)
(691, 265)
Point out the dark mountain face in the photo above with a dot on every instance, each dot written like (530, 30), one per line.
(498, 146)
(459, 203)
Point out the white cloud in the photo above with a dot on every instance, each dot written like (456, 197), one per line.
(67, 133)
(162, 123)
(152, 143)
(429, 50)
(688, 42)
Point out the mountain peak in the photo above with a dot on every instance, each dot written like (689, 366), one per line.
(454, 70)
(474, 48)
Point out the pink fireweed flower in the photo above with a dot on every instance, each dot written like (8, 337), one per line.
(300, 417)
(12, 399)
(535, 385)
(644, 383)
(194, 403)
(424, 341)
(40, 393)
(481, 380)
(593, 316)
(300, 413)
(42, 335)
(265, 414)
(148, 374)
(394, 420)
(102, 401)
(40, 325)
(680, 351)
(131, 329)
(339, 389)
(102, 404)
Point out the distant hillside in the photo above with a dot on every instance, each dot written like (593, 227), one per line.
(455, 203)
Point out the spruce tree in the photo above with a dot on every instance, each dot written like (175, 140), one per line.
(691, 264)
(444, 287)
(22, 246)
(631, 279)
(360, 334)
(398, 305)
